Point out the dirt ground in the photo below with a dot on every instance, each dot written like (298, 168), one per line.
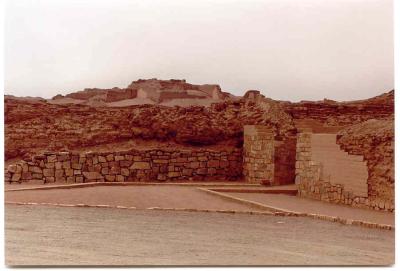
(41, 235)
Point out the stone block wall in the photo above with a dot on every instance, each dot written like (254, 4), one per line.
(125, 166)
(311, 184)
(258, 154)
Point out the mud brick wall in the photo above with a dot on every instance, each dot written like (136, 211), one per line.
(258, 154)
(311, 185)
(374, 139)
(126, 166)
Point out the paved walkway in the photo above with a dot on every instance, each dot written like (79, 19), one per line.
(190, 197)
(141, 197)
(41, 235)
(297, 204)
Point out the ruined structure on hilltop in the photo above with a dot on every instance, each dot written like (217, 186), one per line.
(170, 130)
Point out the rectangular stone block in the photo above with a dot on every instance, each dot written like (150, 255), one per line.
(49, 165)
(140, 165)
(26, 175)
(119, 158)
(187, 172)
(60, 179)
(50, 180)
(110, 178)
(213, 163)
(174, 174)
(16, 177)
(91, 175)
(66, 164)
(69, 172)
(79, 179)
(70, 179)
(120, 178)
(51, 158)
(102, 159)
(35, 169)
(48, 172)
(110, 157)
(194, 164)
(125, 172)
(125, 163)
(160, 161)
(58, 165)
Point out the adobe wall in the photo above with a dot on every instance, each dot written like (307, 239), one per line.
(133, 165)
(311, 185)
(332, 113)
(374, 139)
(118, 95)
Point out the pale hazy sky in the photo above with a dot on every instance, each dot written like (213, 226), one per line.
(288, 49)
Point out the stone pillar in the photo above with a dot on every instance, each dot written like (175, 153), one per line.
(308, 172)
(258, 154)
(303, 155)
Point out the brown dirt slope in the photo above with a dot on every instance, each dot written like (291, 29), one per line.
(34, 126)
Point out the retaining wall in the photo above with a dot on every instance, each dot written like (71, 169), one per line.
(132, 165)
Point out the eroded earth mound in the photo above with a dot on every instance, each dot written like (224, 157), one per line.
(34, 126)
(109, 118)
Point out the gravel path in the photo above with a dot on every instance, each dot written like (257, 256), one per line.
(40, 235)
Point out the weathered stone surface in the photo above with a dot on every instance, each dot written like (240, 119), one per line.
(124, 172)
(140, 165)
(48, 172)
(52, 158)
(16, 177)
(35, 169)
(91, 175)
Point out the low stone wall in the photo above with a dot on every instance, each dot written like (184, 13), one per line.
(310, 184)
(132, 165)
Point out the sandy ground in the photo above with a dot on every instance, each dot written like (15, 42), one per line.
(140, 197)
(318, 207)
(40, 235)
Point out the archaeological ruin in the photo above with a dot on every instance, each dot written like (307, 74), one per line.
(338, 152)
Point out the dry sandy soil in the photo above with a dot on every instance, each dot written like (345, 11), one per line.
(39, 235)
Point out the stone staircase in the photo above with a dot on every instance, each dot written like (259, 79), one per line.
(339, 167)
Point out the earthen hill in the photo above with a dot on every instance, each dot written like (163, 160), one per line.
(165, 118)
